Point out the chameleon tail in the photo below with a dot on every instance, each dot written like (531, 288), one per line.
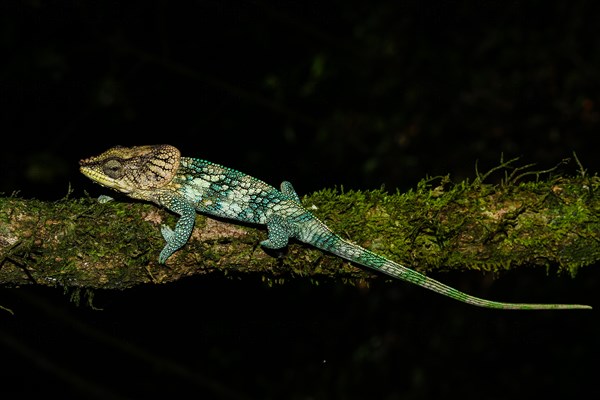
(367, 258)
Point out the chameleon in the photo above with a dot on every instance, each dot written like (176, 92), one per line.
(185, 186)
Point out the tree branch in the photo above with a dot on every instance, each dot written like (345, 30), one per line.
(437, 226)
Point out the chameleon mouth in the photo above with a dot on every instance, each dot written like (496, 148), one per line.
(92, 174)
(102, 179)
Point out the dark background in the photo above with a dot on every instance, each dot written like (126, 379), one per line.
(325, 94)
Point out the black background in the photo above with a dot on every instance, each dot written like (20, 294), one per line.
(325, 94)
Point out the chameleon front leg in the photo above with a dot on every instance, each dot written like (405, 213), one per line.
(178, 237)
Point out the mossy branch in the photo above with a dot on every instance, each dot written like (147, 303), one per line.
(80, 243)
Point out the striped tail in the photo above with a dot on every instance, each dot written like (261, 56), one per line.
(327, 240)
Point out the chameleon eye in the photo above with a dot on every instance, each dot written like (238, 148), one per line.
(113, 168)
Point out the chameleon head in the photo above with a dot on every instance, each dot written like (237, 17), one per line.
(133, 169)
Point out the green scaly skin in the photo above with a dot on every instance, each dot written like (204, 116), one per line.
(188, 185)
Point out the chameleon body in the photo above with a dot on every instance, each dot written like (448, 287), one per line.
(188, 185)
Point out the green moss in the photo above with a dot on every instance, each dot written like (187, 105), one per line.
(489, 227)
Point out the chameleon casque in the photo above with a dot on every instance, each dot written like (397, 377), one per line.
(186, 185)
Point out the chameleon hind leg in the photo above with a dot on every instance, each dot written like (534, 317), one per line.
(288, 190)
(280, 228)
(280, 231)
